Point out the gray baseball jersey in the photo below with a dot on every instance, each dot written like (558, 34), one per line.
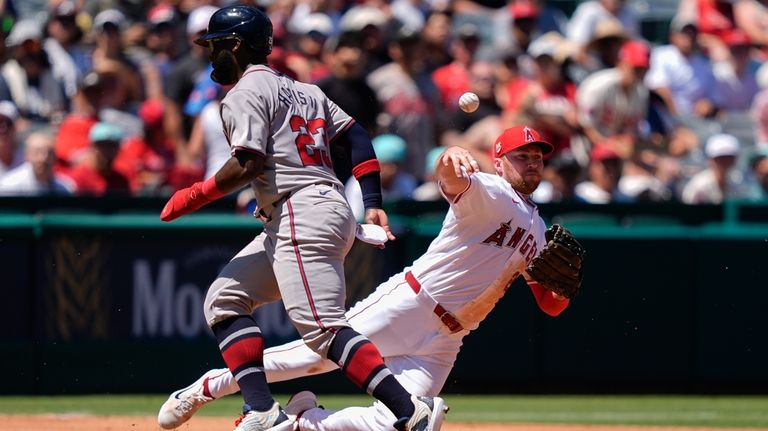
(309, 226)
(290, 123)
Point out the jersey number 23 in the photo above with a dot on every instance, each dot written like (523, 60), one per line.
(311, 142)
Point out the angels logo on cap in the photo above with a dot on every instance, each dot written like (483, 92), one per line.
(519, 136)
(528, 134)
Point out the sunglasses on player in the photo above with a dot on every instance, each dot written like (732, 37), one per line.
(212, 42)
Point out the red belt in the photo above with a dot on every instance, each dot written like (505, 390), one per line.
(445, 317)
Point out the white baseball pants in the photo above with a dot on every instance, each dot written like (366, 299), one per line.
(416, 346)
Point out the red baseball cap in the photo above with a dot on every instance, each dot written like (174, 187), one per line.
(635, 53)
(161, 14)
(601, 152)
(151, 112)
(521, 9)
(519, 136)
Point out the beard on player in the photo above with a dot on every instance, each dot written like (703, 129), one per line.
(527, 183)
(225, 68)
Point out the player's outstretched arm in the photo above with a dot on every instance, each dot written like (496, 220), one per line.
(453, 169)
(239, 170)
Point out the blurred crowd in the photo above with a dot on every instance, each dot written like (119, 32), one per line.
(113, 96)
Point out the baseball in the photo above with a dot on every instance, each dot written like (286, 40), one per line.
(468, 102)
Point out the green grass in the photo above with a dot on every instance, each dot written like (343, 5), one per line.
(703, 411)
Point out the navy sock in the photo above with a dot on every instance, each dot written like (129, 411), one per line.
(242, 348)
(361, 362)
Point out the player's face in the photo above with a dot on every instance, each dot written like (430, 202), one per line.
(217, 46)
(226, 69)
(522, 168)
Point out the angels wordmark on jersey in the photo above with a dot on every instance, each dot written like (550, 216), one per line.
(468, 267)
(499, 238)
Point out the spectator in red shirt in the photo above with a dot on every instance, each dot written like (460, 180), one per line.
(452, 80)
(72, 141)
(483, 84)
(715, 17)
(513, 82)
(100, 177)
(549, 103)
(147, 160)
(714, 20)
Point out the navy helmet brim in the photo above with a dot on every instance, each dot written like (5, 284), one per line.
(203, 40)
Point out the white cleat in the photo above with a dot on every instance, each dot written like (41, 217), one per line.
(428, 416)
(273, 419)
(299, 403)
(182, 404)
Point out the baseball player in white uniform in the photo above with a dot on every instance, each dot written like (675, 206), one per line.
(612, 103)
(280, 131)
(419, 317)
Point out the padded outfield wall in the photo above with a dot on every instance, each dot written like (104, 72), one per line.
(113, 303)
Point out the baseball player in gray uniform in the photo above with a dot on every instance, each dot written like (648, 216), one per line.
(280, 131)
(419, 317)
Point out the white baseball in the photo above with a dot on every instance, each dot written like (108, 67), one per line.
(468, 102)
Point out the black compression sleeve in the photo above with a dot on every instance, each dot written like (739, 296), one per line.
(365, 167)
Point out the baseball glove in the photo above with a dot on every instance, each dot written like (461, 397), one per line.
(558, 266)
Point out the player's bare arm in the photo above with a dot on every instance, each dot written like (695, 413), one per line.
(453, 179)
(239, 171)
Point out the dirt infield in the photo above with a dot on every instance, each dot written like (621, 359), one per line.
(143, 423)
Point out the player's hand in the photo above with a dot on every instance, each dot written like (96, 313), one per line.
(183, 202)
(379, 217)
(460, 158)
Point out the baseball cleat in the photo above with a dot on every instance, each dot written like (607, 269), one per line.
(428, 416)
(273, 419)
(299, 403)
(182, 404)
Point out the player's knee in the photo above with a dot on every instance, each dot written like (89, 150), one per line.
(319, 341)
(221, 303)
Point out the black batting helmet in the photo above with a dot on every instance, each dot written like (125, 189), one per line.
(246, 23)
